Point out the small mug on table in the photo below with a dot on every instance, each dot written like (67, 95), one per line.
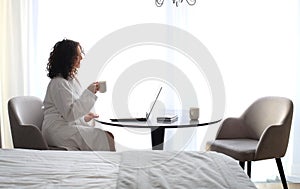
(194, 113)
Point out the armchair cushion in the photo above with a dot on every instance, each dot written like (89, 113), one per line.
(240, 149)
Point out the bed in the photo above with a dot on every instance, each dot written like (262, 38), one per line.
(21, 168)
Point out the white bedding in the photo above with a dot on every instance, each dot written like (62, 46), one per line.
(133, 169)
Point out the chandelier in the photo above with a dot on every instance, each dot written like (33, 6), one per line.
(159, 3)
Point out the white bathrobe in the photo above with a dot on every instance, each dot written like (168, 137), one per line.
(64, 108)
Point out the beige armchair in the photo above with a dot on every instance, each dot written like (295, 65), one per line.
(262, 132)
(26, 118)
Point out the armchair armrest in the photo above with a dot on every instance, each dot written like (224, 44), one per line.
(29, 136)
(273, 142)
(232, 128)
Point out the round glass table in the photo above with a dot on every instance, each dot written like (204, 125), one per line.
(158, 128)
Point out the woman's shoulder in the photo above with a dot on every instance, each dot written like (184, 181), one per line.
(59, 81)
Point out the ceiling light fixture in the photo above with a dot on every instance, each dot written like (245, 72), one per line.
(159, 3)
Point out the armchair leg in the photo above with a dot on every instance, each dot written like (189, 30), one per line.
(249, 168)
(281, 173)
(242, 164)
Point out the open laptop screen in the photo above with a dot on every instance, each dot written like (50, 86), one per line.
(139, 118)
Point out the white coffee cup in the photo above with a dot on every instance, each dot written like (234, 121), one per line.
(102, 86)
(194, 113)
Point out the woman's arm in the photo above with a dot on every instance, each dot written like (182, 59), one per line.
(68, 104)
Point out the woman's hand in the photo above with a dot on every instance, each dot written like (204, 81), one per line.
(88, 117)
(94, 87)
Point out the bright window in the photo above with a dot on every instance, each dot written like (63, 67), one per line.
(255, 45)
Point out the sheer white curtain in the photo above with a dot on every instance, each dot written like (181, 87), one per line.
(15, 48)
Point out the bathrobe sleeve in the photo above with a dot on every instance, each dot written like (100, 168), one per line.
(70, 106)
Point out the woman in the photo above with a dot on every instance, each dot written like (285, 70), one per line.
(67, 116)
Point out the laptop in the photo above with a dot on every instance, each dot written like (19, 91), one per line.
(138, 118)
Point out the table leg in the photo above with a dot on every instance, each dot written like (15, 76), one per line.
(157, 138)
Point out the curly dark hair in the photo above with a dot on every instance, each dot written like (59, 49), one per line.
(62, 59)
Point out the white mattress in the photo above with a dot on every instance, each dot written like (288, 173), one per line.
(133, 169)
